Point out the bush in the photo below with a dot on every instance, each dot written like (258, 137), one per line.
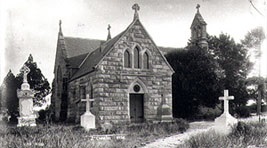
(243, 111)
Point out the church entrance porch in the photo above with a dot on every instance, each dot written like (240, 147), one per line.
(137, 108)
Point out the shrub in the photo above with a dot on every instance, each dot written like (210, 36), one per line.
(243, 111)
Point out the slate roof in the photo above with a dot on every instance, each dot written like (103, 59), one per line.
(93, 58)
(199, 18)
(78, 46)
(75, 62)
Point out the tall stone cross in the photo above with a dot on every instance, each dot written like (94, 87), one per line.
(226, 99)
(25, 70)
(198, 6)
(136, 8)
(87, 100)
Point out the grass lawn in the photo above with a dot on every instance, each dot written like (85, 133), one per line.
(73, 136)
(243, 135)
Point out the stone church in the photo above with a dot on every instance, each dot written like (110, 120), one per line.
(127, 76)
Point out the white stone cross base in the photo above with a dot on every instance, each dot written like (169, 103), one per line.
(88, 121)
(26, 121)
(224, 123)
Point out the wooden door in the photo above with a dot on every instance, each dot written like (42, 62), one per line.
(137, 108)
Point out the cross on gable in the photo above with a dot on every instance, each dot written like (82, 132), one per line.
(87, 100)
(136, 8)
(226, 98)
(198, 6)
(25, 70)
(109, 27)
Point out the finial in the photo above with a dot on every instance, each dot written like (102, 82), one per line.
(198, 6)
(136, 8)
(60, 30)
(109, 36)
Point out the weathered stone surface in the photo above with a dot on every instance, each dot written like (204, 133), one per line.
(112, 83)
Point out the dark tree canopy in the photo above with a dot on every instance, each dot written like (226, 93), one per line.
(36, 80)
(195, 81)
(201, 75)
(234, 61)
(9, 100)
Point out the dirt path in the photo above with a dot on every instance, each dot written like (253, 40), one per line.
(175, 140)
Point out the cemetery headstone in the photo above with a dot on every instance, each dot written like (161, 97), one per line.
(88, 119)
(166, 113)
(224, 123)
(26, 95)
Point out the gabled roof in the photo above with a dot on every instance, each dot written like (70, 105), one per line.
(75, 62)
(78, 46)
(198, 18)
(94, 58)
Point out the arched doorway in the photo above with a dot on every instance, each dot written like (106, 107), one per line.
(137, 91)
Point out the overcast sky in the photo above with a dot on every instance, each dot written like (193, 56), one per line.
(31, 26)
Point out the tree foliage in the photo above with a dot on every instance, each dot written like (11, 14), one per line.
(201, 75)
(36, 80)
(253, 40)
(233, 59)
(9, 100)
(195, 81)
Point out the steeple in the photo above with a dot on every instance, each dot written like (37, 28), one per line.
(136, 8)
(109, 36)
(198, 30)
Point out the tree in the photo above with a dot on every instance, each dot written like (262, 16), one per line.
(36, 80)
(9, 100)
(234, 61)
(253, 40)
(195, 81)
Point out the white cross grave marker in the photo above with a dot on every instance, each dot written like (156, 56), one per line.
(87, 100)
(224, 123)
(226, 99)
(88, 119)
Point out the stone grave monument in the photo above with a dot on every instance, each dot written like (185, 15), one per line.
(224, 123)
(88, 119)
(166, 113)
(26, 95)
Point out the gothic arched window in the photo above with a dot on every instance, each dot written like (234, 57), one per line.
(136, 58)
(127, 59)
(146, 61)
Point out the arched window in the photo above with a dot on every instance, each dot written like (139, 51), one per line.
(136, 58)
(127, 59)
(146, 61)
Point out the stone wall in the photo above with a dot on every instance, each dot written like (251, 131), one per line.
(111, 80)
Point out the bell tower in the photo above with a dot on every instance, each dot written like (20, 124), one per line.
(198, 30)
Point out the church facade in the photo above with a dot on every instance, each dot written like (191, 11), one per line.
(127, 76)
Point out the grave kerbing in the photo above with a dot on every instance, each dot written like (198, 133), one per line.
(224, 123)
(26, 95)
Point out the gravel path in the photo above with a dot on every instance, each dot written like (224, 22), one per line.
(175, 140)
